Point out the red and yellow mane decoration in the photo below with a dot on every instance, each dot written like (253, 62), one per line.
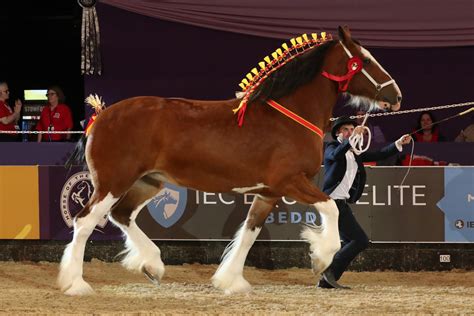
(255, 77)
(98, 105)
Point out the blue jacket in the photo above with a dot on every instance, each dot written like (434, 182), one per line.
(335, 166)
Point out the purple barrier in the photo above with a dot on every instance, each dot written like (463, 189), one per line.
(63, 193)
(56, 154)
(24, 154)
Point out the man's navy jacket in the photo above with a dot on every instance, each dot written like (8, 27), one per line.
(335, 166)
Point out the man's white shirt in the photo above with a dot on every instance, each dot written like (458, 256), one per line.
(342, 190)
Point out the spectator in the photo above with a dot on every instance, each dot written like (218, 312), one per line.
(467, 134)
(426, 131)
(375, 130)
(56, 116)
(8, 117)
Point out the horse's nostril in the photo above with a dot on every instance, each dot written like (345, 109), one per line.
(399, 98)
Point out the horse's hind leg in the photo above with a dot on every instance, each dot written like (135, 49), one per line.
(141, 253)
(229, 276)
(70, 275)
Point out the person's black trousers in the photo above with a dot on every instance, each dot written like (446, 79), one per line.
(354, 239)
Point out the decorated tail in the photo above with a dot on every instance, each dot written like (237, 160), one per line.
(281, 56)
(98, 105)
(78, 155)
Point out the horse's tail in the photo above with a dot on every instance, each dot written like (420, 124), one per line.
(78, 155)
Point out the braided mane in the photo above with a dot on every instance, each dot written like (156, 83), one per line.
(290, 68)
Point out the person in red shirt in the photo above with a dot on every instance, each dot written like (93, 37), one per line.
(8, 117)
(429, 132)
(56, 116)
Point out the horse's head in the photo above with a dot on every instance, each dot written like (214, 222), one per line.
(168, 198)
(365, 79)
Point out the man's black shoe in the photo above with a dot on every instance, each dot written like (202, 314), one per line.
(324, 285)
(329, 279)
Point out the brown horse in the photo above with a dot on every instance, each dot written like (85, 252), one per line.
(139, 143)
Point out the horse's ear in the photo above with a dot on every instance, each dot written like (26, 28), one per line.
(344, 33)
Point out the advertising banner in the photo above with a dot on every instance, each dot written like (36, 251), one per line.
(434, 204)
(19, 213)
(63, 194)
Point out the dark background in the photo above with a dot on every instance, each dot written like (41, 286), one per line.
(41, 46)
(147, 56)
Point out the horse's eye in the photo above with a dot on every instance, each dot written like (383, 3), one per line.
(367, 61)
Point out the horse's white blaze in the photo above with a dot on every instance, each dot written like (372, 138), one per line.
(324, 240)
(247, 189)
(229, 276)
(369, 55)
(140, 251)
(70, 274)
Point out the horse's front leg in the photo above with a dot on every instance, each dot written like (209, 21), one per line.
(229, 276)
(324, 240)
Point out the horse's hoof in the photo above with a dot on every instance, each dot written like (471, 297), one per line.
(151, 277)
(232, 286)
(79, 288)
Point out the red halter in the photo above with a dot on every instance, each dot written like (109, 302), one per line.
(354, 65)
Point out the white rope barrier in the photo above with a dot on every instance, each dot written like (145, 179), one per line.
(41, 132)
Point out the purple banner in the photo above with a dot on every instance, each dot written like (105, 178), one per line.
(63, 193)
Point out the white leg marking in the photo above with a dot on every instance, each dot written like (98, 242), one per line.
(246, 189)
(70, 272)
(140, 252)
(229, 276)
(324, 240)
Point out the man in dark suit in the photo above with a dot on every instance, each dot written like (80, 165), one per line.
(344, 181)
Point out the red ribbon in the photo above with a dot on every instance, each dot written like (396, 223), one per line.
(295, 117)
(90, 123)
(354, 65)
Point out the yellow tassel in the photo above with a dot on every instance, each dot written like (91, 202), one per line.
(323, 35)
(299, 40)
(314, 36)
(242, 85)
(262, 64)
(285, 46)
(293, 42)
(240, 106)
(249, 76)
(267, 59)
(254, 71)
(275, 55)
(245, 82)
(279, 52)
(305, 37)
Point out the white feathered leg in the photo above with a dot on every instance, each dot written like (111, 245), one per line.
(70, 278)
(324, 240)
(142, 255)
(229, 276)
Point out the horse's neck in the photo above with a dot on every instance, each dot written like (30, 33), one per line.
(314, 101)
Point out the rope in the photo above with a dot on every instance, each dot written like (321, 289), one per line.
(357, 140)
(433, 108)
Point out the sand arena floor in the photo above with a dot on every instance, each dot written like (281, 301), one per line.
(29, 288)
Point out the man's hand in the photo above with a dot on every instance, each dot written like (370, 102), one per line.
(358, 130)
(405, 139)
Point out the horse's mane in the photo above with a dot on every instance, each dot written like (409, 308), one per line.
(292, 75)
